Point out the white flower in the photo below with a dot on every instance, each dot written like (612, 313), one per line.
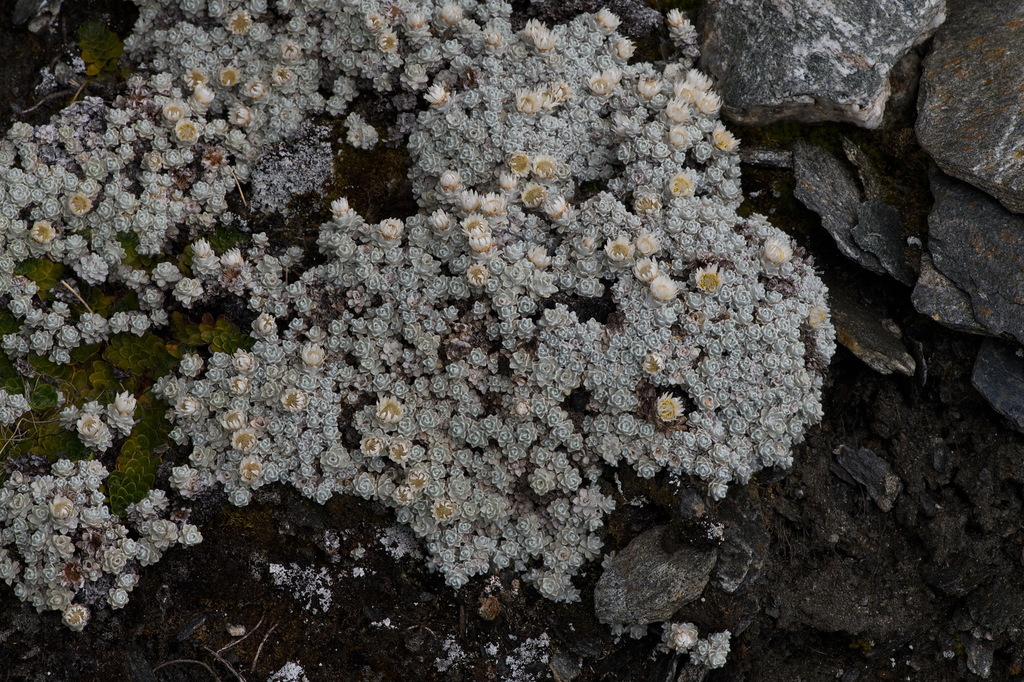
(389, 410)
(313, 355)
(437, 95)
(124, 404)
(250, 469)
(777, 250)
(663, 288)
(76, 617)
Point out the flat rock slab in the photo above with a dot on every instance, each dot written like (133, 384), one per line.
(971, 106)
(999, 377)
(978, 248)
(646, 584)
(866, 230)
(810, 60)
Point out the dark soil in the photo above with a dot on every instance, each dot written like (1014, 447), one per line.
(837, 589)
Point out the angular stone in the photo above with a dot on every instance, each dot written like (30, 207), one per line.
(978, 246)
(879, 232)
(864, 331)
(824, 185)
(646, 584)
(936, 296)
(970, 111)
(871, 471)
(999, 377)
(810, 60)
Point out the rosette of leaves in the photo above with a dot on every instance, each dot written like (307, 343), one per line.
(135, 469)
(101, 49)
(145, 355)
(220, 334)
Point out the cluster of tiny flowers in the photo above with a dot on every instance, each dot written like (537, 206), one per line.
(60, 542)
(710, 652)
(88, 421)
(474, 366)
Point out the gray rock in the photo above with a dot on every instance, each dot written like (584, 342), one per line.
(865, 331)
(879, 232)
(978, 247)
(646, 584)
(980, 654)
(810, 60)
(565, 667)
(969, 107)
(999, 377)
(936, 296)
(745, 547)
(863, 466)
(824, 185)
(868, 232)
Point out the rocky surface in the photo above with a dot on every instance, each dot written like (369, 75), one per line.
(866, 332)
(650, 580)
(999, 377)
(866, 229)
(977, 247)
(970, 117)
(811, 61)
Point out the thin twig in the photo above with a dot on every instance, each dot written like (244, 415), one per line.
(77, 295)
(225, 663)
(260, 647)
(53, 95)
(243, 637)
(188, 660)
(80, 88)
(239, 186)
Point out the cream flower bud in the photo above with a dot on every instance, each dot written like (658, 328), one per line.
(203, 95)
(229, 76)
(477, 275)
(232, 259)
(61, 507)
(646, 269)
(390, 229)
(89, 426)
(648, 87)
(313, 355)
(186, 131)
(663, 288)
(619, 249)
(669, 407)
(607, 20)
(250, 469)
(79, 204)
(174, 111)
(389, 410)
(265, 324)
(437, 95)
(42, 232)
(187, 406)
(450, 180)
(294, 400)
(124, 404)
(440, 220)
(244, 440)
(76, 617)
(538, 255)
(233, 420)
(647, 243)
(451, 14)
(777, 250)
(202, 249)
